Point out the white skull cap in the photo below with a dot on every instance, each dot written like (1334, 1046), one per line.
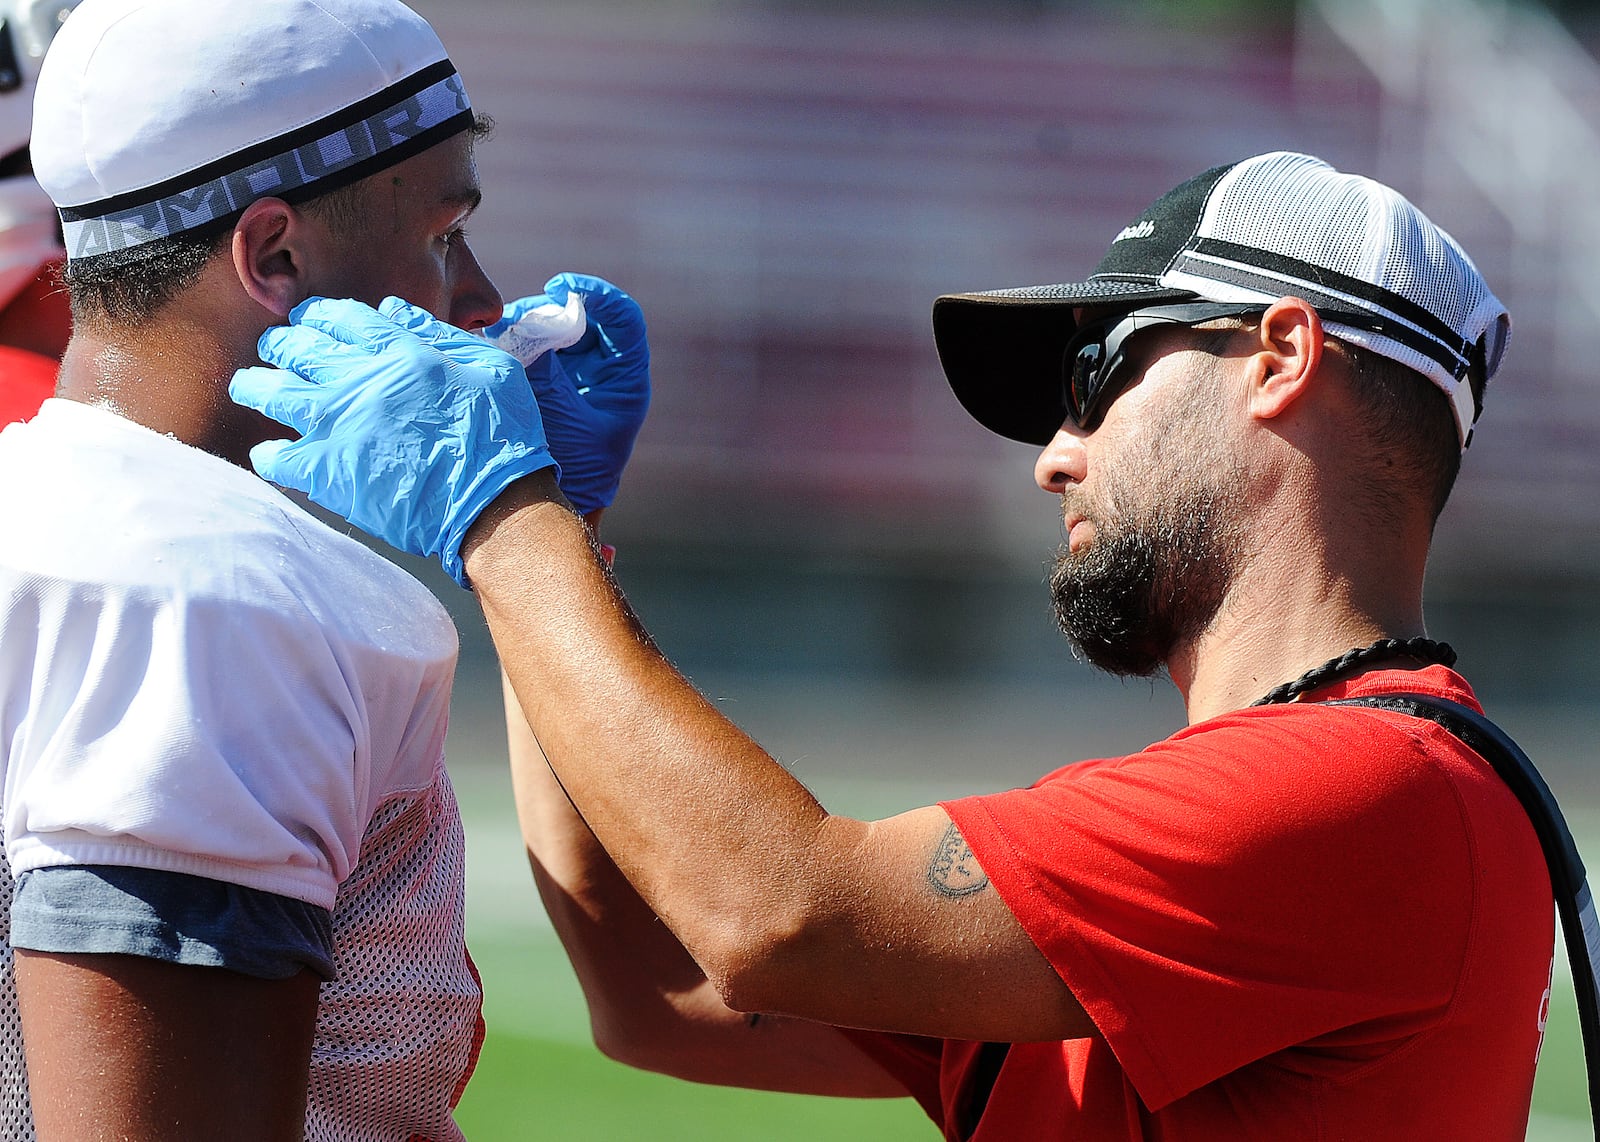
(159, 117)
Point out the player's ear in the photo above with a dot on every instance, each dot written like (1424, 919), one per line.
(269, 254)
(1287, 356)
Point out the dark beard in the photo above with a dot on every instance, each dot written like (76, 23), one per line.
(1131, 597)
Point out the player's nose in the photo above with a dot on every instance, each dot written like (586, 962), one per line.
(474, 302)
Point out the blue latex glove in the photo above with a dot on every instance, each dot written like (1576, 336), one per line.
(593, 394)
(408, 427)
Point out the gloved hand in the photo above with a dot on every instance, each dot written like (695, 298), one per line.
(408, 427)
(584, 347)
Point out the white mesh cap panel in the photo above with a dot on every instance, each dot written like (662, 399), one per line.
(1289, 224)
(399, 1029)
(1318, 220)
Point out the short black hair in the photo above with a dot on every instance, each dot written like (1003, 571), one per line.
(128, 286)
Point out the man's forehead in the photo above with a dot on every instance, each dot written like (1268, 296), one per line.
(462, 184)
(445, 175)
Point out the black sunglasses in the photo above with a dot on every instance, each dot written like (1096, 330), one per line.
(1093, 357)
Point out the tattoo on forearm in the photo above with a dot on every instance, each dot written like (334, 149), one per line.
(955, 872)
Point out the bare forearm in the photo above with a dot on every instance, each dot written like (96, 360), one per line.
(784, 907)
(650, 1004)
(631, 968)
(644, 755)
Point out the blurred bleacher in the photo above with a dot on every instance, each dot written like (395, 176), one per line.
(787, 186)
(1489, 117)
(786, 189)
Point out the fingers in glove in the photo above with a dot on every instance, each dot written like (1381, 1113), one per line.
(319, 355)
(615, 317)
(348, 321)
(284, 396)
(274, 461)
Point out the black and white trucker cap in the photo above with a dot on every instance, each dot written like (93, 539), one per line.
(161, 117)
(1277, 225)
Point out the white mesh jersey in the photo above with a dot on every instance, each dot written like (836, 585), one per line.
(197, 676)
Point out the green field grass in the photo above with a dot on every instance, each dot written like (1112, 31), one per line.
(527, 1088)
(541, 1078)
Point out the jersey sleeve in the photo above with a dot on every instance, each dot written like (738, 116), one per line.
(1225, 895)
(182, 732)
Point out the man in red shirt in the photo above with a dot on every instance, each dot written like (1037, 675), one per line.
(34, 317)
(1289, 920)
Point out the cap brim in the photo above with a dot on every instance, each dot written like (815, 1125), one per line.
(1001, 349)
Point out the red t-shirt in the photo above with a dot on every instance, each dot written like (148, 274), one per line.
(26, 380)
(1288, 922)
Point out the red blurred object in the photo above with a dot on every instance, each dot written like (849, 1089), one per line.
(26, 380)
(33, 332)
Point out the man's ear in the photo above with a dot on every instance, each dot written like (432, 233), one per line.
(269, 254)
(1287, 357)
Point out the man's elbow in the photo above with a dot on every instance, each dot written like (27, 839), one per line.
(764, 969)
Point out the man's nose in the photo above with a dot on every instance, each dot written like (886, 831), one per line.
(1064, 461)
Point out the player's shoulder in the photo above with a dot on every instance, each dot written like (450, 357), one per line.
(116, 510)
(106, 499)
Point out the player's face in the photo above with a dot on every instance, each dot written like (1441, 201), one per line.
(1153, 506)
(412, 241)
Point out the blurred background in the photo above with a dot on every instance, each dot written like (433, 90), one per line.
(812, 527)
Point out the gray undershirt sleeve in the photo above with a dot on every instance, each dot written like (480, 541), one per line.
(170, 916)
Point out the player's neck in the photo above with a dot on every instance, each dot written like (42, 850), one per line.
(167, 376)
